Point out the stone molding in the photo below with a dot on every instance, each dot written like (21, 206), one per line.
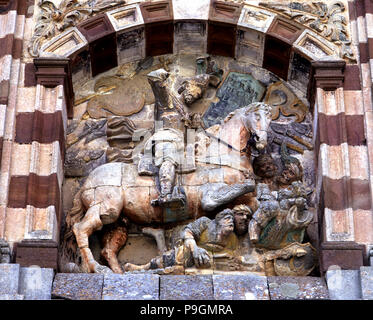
(52, 72)
(249, 17)
(328, 74)
(42, 253)
(347, 255)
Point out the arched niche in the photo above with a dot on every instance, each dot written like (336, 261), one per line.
(262, 36)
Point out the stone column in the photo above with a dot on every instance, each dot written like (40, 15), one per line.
(13, 16)
(37, 176)
(362, 27)
(343, 173)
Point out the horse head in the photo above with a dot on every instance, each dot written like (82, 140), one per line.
(256, 118)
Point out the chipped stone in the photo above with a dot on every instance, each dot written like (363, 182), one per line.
(36, 283)
(366, 275)
(131, 287)
(297, 288)
(181, 287)
(78, 286)
(343, 284)
(240, 287)
(9, 278)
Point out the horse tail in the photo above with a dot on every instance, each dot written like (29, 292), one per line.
(69, 245)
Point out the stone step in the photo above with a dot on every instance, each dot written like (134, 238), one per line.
(366, 278)
(344, 284)
(9, 278)
(36, 283)
(31, 283)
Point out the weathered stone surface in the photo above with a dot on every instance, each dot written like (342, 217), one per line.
(78, 286)
(343, 284)
(366, 276)
(11, 297)
(297, 288)
(240, 287)
(237, 90)
(131, 287)
(36, 283)
(9, 278)
(180, 287)
(4, 251)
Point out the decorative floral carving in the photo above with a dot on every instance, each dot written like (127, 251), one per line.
(326, 19)
(54, 20)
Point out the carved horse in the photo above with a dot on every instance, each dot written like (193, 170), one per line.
(116, 190)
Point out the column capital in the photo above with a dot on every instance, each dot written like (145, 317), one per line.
(328, 74)
(52, 72)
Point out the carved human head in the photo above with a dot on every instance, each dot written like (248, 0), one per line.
(264, 166)
(292, 171)
(241, 214)
(193, 89)
(225, 221)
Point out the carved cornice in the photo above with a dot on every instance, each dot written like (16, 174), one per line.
(328, 20)
(54, 20)
(54, 72)
(328, 75)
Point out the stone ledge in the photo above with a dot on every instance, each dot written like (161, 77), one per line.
(297, 288)
(131, 287)
(33, 283)
(23, 284)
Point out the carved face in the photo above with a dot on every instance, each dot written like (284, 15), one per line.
(257, 122)
(192, 90)
(264, 166)
(241, 220)
(226, 225)
(289, 174)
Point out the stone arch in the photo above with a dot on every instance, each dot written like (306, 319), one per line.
(250, 33)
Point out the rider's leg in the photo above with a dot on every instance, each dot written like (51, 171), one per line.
(167, 173)
(215, 195)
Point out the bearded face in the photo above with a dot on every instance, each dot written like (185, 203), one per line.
(240, 222)
(226, 225)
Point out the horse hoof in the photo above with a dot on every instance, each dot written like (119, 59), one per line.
(95, 267)
(71, 267)
(103, 269)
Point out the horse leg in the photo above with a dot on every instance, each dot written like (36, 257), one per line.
(158, 235)
(82, 230)
(216, 195)
(113, 240)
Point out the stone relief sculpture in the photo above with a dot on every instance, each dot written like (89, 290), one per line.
(203, 241)
(228, 195)
(327, 19)
(111, 188)
(53, 20)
